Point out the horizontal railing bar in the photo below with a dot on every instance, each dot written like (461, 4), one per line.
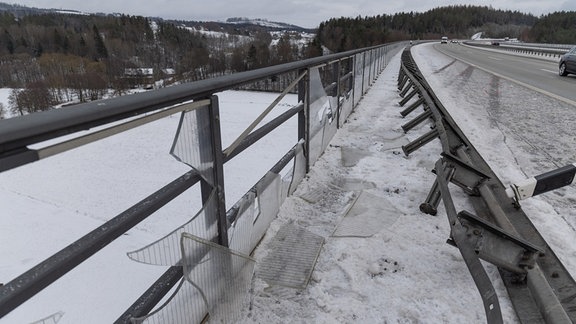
(152, 296)
(117, 129)
(232, 213)
(264, 113)
(263, 131)
(16, 133)
(33, 155)
(20, 289)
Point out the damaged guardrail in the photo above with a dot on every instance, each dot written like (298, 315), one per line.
(539, 286)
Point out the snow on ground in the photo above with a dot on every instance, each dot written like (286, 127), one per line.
(404, 273)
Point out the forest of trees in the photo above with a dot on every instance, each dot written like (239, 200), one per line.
(50, 58)
(340, 34)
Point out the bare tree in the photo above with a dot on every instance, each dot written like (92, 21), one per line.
(35, 97)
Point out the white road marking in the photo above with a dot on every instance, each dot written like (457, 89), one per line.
(550, 94)
(495, 58)
(555, 72)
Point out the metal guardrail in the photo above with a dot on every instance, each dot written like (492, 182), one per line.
(548, 50)
(344, 76)
(539, 286)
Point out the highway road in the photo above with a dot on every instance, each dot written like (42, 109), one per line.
(538, 74)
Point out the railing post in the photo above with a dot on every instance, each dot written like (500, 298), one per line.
(218, 171)
(338, 92)
(303, 116)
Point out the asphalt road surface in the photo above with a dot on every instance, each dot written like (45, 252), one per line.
(540, 74)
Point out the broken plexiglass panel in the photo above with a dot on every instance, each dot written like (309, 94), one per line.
(193, 142)
(268, 191)
(166, 251)
(186, 305)
(358, 75)
(299, 169)
(52, 319)
(240, 232)
(223, 276)
(321, 114)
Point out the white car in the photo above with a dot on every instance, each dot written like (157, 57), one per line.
(444, 40)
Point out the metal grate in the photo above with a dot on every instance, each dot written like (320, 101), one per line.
(292, 258)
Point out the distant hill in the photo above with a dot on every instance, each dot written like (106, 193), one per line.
(230, 23)
(58, 55)
(339, 34)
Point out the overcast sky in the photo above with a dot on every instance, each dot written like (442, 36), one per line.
(304, 13)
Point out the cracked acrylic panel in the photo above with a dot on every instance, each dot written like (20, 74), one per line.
(358, 70)
(193, 142)
(186, 305)
(299, 169)
(321, 115)
(240, 233)
(345, 107)
(268, 193)
(216, 282)
(166, 251)
(223, 276)
(52, 319)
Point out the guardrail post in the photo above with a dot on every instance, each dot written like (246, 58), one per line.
(430, 205)
(420, 141)
(416, 121)
(412, 107)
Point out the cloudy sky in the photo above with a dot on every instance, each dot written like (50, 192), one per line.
(304, 13)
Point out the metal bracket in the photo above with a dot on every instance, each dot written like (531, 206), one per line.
(466, 176)
(498, 247)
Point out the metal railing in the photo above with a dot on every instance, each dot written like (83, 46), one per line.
(343, 79)
(543, 50)
(539, 286)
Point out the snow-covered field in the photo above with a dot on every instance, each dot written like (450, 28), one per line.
(403, 273)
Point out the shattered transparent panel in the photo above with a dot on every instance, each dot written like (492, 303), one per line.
(268, 193)
(367, 215)
(193, 142)
(330, 125)
(345, 107)
(299, 170)
(52, 319)
(358, 70)
(223, 276)
(321, 114)
(240, 233)
(166, 251)
(367, 69)
(185, 306)
(285, 187)
(293, 255)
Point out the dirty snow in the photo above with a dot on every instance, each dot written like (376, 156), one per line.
(402, 273)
